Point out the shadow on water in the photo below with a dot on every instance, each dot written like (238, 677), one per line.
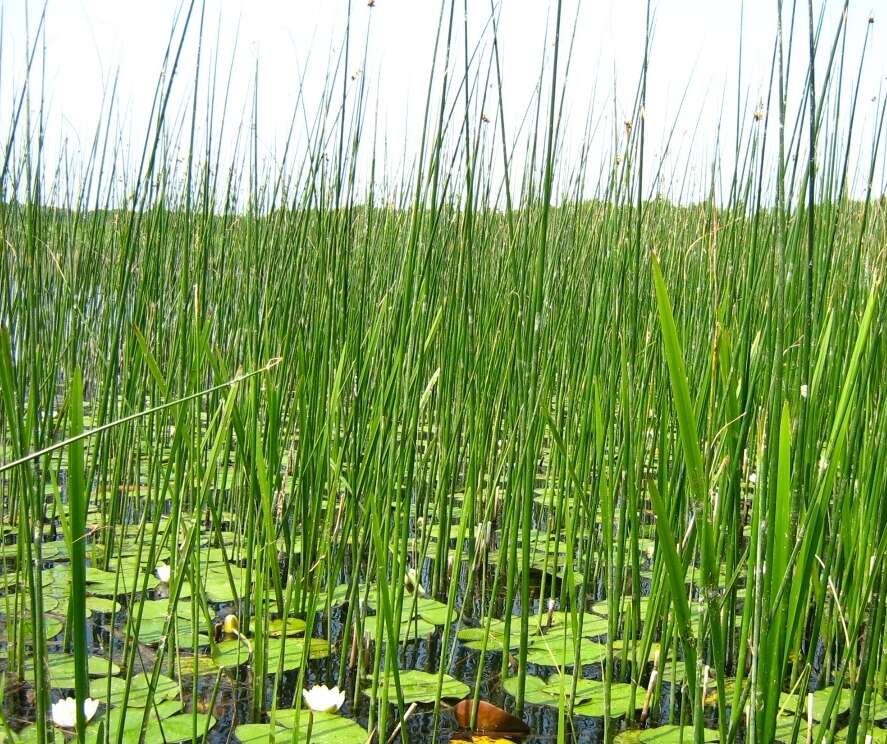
(229, 696)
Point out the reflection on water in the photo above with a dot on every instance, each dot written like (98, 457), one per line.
(228, 696)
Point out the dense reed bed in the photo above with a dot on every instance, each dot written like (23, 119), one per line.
(472, 434)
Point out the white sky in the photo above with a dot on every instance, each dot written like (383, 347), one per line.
(695, 44)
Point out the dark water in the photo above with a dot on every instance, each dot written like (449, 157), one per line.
(233, 702)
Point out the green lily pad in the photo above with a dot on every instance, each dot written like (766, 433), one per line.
(102, 604)
(294, 626)
(879, 735)
(177, 728)
(165, 724)
(558, 650)
(218, 586)
(234, 652)
(154, 609)
(432, 611)
(592, 696)
(61, 669)
(785, 725)
(421, 687)
(139, 690)
(473, 638)
(205, 665)
(152, 631)
(30, 735)
(789, 703)
(326, 728)
(533, 689)
(52, 626)
(131, 718)
(668, 734)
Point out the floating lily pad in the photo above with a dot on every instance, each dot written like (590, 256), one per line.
(152, 631)
(218, 586)
(101, 604)
(233, 653)
(326, 728)
(294, 626)
(473, 638)
(591, 694)
(107, 584)
(533, 689)
(879, 735)
(30, 735)
(785, 725)
(131, 718)
(558, 650)
(434, 612)
(205, 665)
(52, 626)
(139, 690)
(165, 725)
(153, 609)
(668, 734)
(60, 668)
(421, 687)
(789, 703)
(180, 727)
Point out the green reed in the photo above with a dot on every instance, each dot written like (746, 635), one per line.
(694, 371)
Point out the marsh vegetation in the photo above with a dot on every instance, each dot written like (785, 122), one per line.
(608, 458)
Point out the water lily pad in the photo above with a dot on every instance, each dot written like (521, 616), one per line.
(102, 604)
(421, 687)
(205, 665)
(112, 690)
(294, 626)
(30, 735)
(473, 638)
(326, 728)
(879, 735)
(785, 725)
(107, 584)
(432, 611)
(52, 626)
(152, 631)
(180, 727)
(165, 724)
(591, 694)
(153, 609)
(789, 703)
(234, 652)
(131, 718)
(533, 689)
(60, 668)
(668, 734)
(218, 585)
(558, 650)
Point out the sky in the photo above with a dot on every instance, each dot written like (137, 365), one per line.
(692, 83)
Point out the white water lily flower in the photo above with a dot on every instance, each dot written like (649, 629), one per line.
(164, 572)
(322, 699)
(64, 712)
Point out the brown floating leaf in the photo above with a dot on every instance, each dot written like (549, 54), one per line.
(489, 718)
